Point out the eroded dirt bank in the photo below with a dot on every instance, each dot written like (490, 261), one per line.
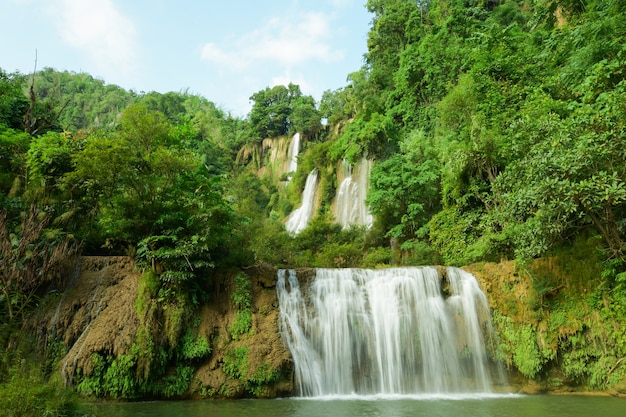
(103, 314)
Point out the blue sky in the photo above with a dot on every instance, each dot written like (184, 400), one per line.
(223, 50)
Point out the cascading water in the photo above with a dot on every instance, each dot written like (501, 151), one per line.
(300, 217)
(292, 155)
(350, 208)
(388, 332)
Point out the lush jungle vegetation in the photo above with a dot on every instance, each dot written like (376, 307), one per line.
(498, 130)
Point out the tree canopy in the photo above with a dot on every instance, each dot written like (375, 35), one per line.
(496, 128)
(281, 110)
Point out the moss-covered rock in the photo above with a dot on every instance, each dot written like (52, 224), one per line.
(560, 326)
(125, 340)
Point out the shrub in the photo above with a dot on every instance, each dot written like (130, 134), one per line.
(242, 323)
(194, 347)
(25, 392)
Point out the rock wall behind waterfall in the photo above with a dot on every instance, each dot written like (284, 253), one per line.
(557, 333)
(272, 157)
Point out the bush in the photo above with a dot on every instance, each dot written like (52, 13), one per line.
(339, 255)
(236, 362)
(194, 347)
(242, 324)
(242, 295)
(242, 300)
(25, 392)
(377, 257)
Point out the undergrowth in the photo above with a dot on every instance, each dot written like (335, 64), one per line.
(565, 327)
(26, 391)
(237, 366)
(242, 301)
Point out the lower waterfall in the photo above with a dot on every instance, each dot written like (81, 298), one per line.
(390, 331)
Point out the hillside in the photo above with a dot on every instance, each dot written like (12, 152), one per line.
(484, 132)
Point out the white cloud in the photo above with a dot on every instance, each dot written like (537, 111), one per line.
(286, 41)
(213, 53)
(99, 30)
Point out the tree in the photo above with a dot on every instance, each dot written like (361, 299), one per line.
(171, 104)
(570, 177)
(269, 116)
(49, 159)
(149, 194)
(193, 236)
(42, 116)
(405, 189)
(129, 175)
(13, 149)
(13, 102)
(304, 116)
(387, 38)
(79, 101)
(281, 111)
(338, 106)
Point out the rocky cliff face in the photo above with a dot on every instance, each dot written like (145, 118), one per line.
(265, 355)
(101, 317)
(94, 313)
(560, 329)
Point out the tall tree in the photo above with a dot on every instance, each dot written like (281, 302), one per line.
(13, 101)
(281, 111)
(150, 194)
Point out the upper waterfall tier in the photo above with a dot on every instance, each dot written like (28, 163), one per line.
(355, 331)
(300, 217)
(350, 208)
(292, 155)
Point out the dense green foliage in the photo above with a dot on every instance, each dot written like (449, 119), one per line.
(498, 125)
(25, 392)
(564, 329)
(242, 300)
(280, 111)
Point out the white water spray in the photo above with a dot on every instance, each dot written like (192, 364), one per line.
(350, 208)
(300, 217)
(292, 155)
(388, 332)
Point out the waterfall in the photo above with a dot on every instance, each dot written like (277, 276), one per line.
(389, 332)
(300, 217)
(350, 206)
(292, 155)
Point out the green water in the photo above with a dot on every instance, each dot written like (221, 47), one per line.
(503, 406)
